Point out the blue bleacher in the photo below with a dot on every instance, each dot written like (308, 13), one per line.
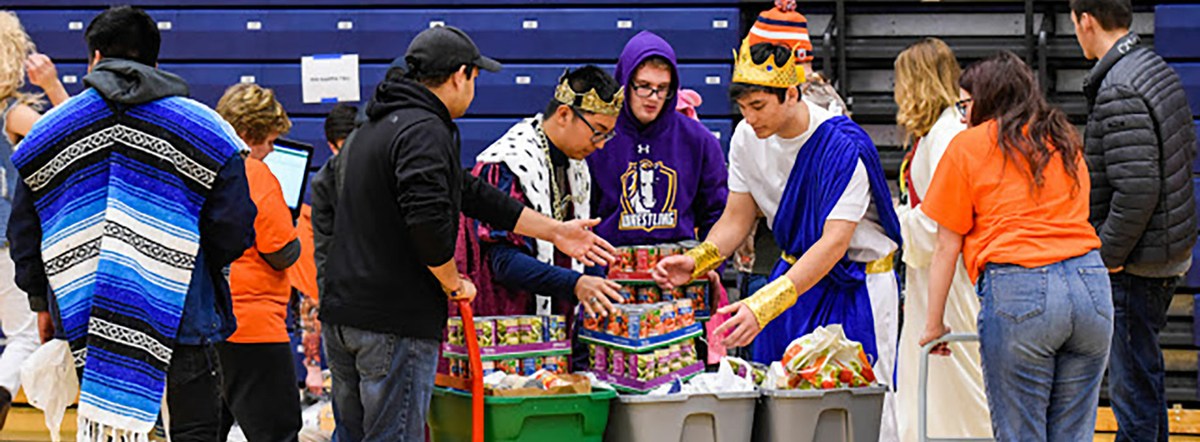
(518, 90)
(1189, 74)
(526, 34)
(477, 135)
(1176, 31)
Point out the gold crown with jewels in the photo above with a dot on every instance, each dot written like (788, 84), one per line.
(589, 101)
(769, 73)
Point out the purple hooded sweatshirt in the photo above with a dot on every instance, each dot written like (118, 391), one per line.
(659, 182)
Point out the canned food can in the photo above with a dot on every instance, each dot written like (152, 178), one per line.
(662, 360)
(618, 323)
(600, 359)
(531, 329)
(684, 316)
(485, 332)
(454, 332)
(529, 366)
(508, 331)
(646, 366)
(647, 294)
(509, 366)
(676, 358)
(628, 292)
(618, 363)
(554, 328)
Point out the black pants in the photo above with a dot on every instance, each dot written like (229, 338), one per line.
(194, 394)
(261, 392)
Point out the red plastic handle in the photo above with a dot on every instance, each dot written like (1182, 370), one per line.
(476, 362)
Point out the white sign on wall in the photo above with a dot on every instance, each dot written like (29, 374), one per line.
(329, 78)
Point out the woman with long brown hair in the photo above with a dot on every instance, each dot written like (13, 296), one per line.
(1011, 194)
(927, 76)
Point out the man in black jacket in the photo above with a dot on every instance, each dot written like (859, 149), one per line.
(1140, 146)
(391, 263)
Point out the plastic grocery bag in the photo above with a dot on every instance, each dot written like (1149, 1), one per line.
(50, 383)
(826, 359)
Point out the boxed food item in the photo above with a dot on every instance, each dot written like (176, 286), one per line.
(508, 330)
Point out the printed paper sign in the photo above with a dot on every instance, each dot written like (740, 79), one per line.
(329, 78)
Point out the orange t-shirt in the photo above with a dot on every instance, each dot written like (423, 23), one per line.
(303, 274)
(976, 193)
(261, 293)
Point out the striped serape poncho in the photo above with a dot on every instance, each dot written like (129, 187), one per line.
(118, 186)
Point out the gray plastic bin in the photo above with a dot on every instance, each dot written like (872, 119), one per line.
(707, 417)
(842, 415)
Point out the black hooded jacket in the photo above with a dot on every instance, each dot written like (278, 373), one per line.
(398, 205)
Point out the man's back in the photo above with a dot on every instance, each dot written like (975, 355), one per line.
(135, 183)
(1140, 147)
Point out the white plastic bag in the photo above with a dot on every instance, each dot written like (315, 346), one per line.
(50, 383)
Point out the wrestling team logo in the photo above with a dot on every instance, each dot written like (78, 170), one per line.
(648, 196)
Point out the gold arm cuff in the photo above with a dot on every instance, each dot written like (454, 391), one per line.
(707, 257)
(772, 300)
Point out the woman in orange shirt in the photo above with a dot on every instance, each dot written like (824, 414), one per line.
(257, 365)
(1011, 193)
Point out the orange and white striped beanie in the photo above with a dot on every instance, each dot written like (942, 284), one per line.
(783, 25)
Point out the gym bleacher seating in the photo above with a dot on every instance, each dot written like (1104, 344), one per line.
(1177, 31)
(286, 35)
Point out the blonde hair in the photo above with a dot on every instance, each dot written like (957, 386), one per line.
(15, 47)
(253, 112)
(926, 84)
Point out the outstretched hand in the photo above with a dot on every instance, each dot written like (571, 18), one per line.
(741, 327)
(576, 239)
(674, 271)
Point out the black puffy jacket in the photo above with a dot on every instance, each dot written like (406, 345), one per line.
(1140, 145)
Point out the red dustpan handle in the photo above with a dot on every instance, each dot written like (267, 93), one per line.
(472, 339)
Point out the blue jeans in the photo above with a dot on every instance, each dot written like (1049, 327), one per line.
(1044, 338)
(1135, 371)
(382, 384)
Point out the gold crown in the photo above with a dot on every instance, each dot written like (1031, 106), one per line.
(768, 74)
(589, 101)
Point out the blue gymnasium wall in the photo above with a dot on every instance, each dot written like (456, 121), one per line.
(263, 40)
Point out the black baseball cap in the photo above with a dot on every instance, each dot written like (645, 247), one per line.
(444, 48)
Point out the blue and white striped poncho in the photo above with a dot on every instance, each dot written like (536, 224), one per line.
(118, 192)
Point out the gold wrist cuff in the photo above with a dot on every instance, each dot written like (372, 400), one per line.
(707, 257)
(772, 300)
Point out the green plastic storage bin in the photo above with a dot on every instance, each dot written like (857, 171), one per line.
(576, 417)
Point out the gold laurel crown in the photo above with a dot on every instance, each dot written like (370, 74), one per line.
(768, 74)
(589, 101)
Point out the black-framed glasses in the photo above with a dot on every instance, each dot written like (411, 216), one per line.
(597, 136)
(645, 91)
(961, 106)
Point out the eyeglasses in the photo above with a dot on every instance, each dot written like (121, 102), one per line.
(645, 91)
(597, 136)
(961, 106)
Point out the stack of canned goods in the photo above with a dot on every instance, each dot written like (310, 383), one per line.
(641, 259)
(499, 331)
(640, 321)
(642, 366)
(556, 364)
